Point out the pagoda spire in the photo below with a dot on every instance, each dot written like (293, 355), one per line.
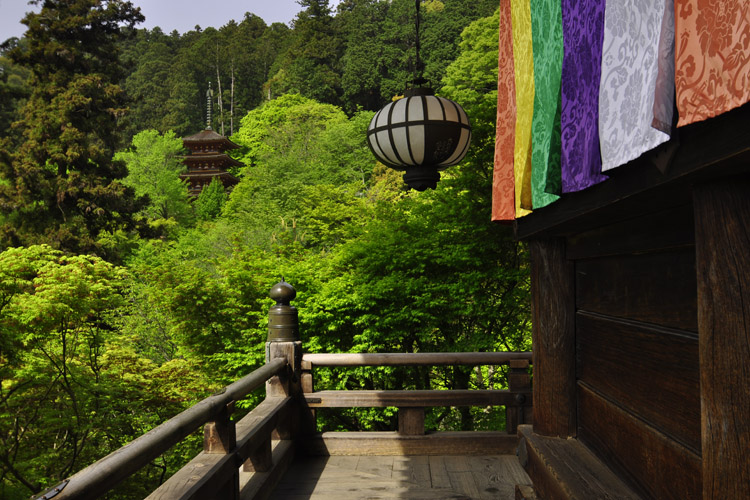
(209, 103)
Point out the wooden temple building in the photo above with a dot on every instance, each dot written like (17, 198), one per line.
(641, 327)
(208, 160)
(639, 237)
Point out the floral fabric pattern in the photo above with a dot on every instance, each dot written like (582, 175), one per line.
(583, 33)
(503, 180)
(523, 62)
(712, 57)
(630, 66)
(547, 42)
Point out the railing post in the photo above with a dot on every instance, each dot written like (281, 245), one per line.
(309, 421)
(283, 342)
(411, 421)
(220, 437)
(519, 382)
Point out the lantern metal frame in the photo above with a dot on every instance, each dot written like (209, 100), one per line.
(420, 133)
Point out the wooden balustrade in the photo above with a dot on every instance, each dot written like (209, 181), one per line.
(223, 445)
(411, 404)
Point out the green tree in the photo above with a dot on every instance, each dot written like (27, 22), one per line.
(154, 167)
(72, 388)
(209, 203)
(55, 317)
(310, 66)
(363, 65)
(290, 144)
(151, 53)
(13, 87)
(62, 186)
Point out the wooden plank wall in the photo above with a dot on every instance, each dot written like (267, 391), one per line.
(637, 363)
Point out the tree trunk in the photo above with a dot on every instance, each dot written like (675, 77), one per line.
(231, 103)
(218, 83)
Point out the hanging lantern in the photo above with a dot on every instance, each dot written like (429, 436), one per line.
(420, 134)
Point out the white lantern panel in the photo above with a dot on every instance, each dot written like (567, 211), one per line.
(376, 147)
(451, 114)
(382, 116)
(416, 109)
(398, 115)
(401, 140)
(464, 116)
(385, 145)
(417, 139)
(434, 108)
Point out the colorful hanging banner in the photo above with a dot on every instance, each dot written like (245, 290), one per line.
(712, 57)
(583, 33)
(503, 180)
(523, 65)
(630, 66)
(546, 28)
(664, 100)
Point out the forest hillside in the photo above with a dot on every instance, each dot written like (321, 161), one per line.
(124, 301)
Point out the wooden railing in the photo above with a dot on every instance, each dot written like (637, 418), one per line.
(411, 439)
(214, 472)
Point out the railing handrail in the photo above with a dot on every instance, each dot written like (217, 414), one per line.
(411, 404)
(415, 359)
(103, 475)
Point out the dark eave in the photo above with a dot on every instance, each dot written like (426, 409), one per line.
(208, 136)
(199, 158)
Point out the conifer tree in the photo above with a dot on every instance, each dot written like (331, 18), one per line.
(61, 186)
(310, 66)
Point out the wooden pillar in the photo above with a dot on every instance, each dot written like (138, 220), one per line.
(722, 245)
(553, 337)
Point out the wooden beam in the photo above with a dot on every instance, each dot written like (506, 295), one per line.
(722, 232)
(254, 430)
(414, 358)
(260, 485)
(285, 383)
(391, 443)
(564, 469)
(719, 146)
(553, 338)
(413, 399)
(201, 478)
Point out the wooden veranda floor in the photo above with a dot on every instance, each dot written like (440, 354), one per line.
(404, 477)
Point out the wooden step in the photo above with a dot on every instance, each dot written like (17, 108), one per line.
(564, 469)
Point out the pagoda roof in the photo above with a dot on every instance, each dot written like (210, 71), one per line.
(207, 175)
(197, 158)
(209, 136)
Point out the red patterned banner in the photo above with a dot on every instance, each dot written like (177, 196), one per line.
(712, 56)
(503, 191)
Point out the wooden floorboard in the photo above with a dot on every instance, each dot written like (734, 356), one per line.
(399, 477)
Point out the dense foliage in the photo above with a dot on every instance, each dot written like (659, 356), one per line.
(62, 186)
(122, 301)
